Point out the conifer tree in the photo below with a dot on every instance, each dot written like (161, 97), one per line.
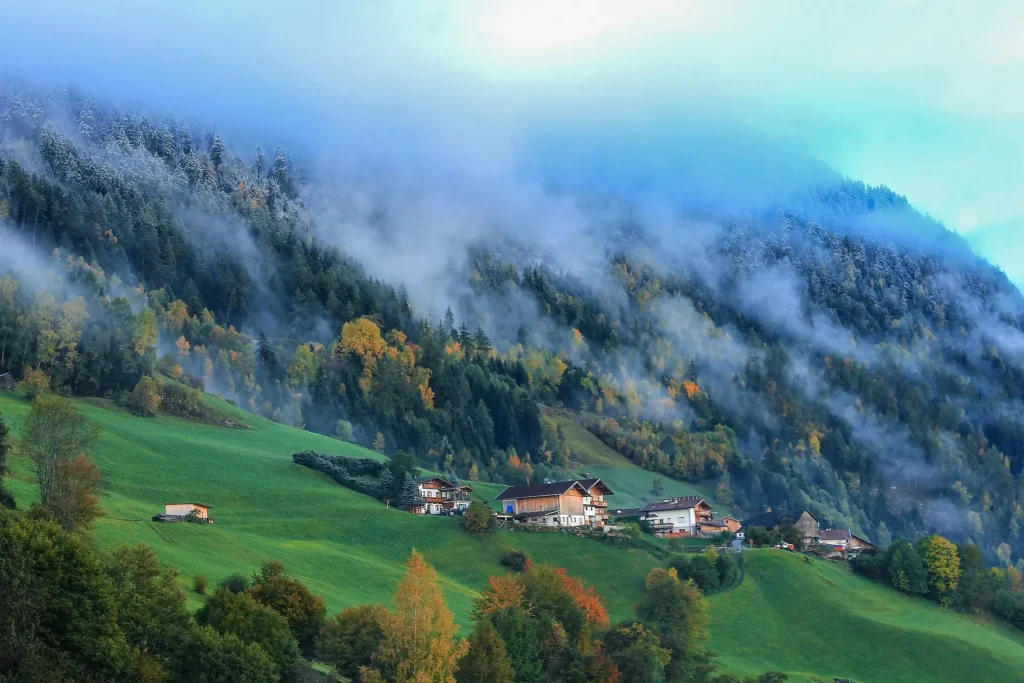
(410, 497)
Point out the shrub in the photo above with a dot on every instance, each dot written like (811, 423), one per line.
(516, 560)
(181, 400)
(236, 583)
(145, 398)
(34, 383)
(478, 518)
(343, 431)
(199, 583)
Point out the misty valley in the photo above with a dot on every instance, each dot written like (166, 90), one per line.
(183, 312)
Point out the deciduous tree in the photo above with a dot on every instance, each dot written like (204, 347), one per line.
(419, 642)
(349, 638)
(56, 438)
(942, 563)
(486, 660)
(290, 598)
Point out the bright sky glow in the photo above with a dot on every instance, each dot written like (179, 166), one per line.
(923, 96)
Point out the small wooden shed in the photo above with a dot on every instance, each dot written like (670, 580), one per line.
(184, 509)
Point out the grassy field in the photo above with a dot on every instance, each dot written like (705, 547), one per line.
(813, 620)
(817, 621)
(632, 485)
(346, 546)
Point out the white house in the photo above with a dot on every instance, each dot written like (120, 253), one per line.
(677, 516)
(595, 507)
(440, 495)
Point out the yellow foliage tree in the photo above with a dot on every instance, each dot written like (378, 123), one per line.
(419, 644)
(942, 561)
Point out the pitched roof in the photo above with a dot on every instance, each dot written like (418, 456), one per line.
(834, 535)
(556, 488)
(198, 505)
(770, 520)
(627, 512)
(712, 522)
(591, 483)
(862, 539)
(684, 503)
(424, 480)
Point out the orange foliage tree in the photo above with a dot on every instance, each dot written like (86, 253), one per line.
(503, 592)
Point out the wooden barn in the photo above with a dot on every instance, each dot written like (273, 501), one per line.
(184, 509)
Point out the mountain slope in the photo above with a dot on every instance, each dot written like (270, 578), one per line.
(816, 621)
(834, 350)
(344, 545)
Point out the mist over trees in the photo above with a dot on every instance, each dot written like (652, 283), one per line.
(834, 350)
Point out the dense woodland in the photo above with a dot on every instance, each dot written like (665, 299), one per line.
(803, 357)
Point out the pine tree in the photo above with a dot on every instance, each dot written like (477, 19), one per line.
(410, 497)
(260, 163)
(448, 326)
(217, 151)
(386, 485)
(481, 341)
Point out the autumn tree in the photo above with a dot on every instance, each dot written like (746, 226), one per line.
(637, 652)
(942, 562)
(502, 593)
(587, 599)
(290, 598)
(145, 398)
(419, 637)
(486, 660)
(34, 383)
(348, 639)
(56, 437)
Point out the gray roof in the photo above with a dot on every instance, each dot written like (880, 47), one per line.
(676, 504)
(834, 535)
(556, 488)
(770, 520)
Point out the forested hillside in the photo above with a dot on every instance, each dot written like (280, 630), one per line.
(835, 351)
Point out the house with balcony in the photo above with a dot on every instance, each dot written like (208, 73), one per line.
(441, 496)
(557, 503)
(595, 507)
(675, 517)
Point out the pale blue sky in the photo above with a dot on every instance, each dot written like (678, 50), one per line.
(924, 97)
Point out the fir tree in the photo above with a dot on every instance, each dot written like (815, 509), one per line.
(409, 497)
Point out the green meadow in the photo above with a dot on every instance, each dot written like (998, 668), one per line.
(346, 546)
(814, 620)
(632, 485)
(817, 620)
